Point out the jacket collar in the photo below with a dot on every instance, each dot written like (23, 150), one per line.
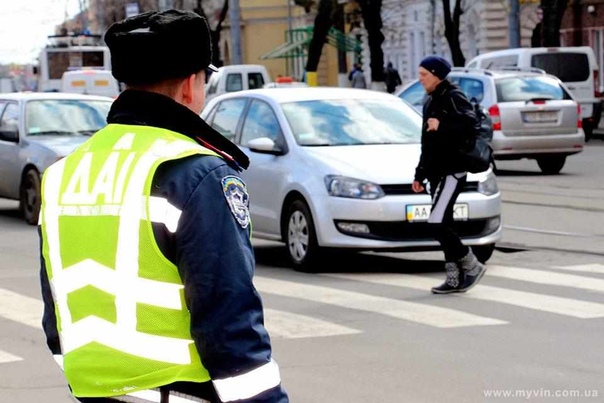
(144, 108)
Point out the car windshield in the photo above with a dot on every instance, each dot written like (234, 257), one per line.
(352, 122)
(527, 88)
(65, 116)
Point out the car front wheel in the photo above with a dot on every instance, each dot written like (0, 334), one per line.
(300, 237)
(30, 200)
(551, 164)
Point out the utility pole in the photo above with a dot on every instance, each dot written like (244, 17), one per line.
(235, 20)
(514, 20)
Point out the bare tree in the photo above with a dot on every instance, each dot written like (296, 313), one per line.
(553, 11)
(115, 10)
(215, 33)
(323, 23)
(452, 31)
(372, 18)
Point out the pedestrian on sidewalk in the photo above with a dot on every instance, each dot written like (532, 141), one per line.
(147, 264)
(392, 78)
(449, 124)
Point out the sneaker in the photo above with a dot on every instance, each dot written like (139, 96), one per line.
(472, 271)
(452, 281)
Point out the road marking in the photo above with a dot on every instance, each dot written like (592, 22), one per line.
(539, 302)
(583, 268)
(410, 311)
(547, 277)
(21, 309)
(6, 357)
(287, 325)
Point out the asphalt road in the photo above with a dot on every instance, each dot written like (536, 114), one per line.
(366, 329)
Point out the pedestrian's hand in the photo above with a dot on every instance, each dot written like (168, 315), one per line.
(432, 125)
(417, 187)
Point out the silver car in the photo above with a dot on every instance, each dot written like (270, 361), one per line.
(534, 115)
(36, 130)
(333, 167)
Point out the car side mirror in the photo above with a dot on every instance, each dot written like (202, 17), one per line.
(264, 145)
(8, 134)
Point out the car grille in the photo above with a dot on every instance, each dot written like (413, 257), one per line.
(405, 231)
(405, 189)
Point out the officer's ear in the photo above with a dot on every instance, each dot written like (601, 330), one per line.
(188, 86)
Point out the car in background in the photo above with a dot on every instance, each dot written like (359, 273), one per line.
(91, 82)
(236, 77)
(534, 115)
(332, 168)
(36, 130)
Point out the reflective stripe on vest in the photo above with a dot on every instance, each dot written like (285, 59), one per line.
(119, 301)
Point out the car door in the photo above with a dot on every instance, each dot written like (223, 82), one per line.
(10, 174)
(267, 175)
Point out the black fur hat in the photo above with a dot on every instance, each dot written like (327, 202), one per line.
(154, 46)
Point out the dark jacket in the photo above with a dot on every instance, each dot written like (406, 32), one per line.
(212, 251)
(456, 131)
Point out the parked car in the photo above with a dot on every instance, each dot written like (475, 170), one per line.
(91, 82)
(575, 66)
(333, 168)
(37, 129)
(236, 77)
(534, 115)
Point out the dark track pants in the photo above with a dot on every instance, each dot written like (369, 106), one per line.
(444, 192)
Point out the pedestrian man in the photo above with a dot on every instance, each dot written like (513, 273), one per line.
(392, 78)
(147, 263)
(357, 77)
(449, 124)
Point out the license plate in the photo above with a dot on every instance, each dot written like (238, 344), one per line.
(421, 212)
(540, 117)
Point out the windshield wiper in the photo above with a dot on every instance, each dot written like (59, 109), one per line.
(88, 132)
(51, 133)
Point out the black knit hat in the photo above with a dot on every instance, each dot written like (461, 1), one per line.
(437, 66)
(154, 46)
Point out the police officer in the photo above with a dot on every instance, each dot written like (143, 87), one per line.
(147, 262)
(449, 123)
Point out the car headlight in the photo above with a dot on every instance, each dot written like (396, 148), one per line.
(341, 186)
(488, 186)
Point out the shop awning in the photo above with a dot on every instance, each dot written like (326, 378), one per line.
(301, 38)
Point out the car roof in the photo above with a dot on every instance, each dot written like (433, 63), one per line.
(497, 73)
(297, 94)
(29, 96)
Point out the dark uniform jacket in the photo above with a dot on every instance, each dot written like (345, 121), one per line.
(212, 251)
(457, 130)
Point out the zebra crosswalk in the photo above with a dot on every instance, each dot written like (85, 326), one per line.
(332, 293)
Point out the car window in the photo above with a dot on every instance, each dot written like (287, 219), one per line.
(415, 94)
(260, 122)
(10, 117)
(65, 116)
(2, 105)
(473, 88)
(500, 61)
(234, 82)
(568, 67)
(227, 117)
(255, 80)
(514, 89)
(353, 122)
(213, 83)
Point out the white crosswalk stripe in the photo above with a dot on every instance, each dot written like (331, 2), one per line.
(546, 303)
(547, 278)
(7, 357)
(287, 325)
(19, 308)
(583, 268)
(410, 311)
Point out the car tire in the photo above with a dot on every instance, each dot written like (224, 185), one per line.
(588, 129)
(483, 252)
(551, 164)
(300, 237)
(30, 199)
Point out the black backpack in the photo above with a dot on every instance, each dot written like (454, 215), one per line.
(480, 156)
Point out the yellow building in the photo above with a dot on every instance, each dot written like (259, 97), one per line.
(266, 40)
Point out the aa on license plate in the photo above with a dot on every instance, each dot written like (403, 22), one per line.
(421, 212)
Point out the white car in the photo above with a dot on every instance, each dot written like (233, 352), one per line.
(331, 168)
(37, 129)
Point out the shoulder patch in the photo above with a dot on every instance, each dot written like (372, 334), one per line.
(235, 192)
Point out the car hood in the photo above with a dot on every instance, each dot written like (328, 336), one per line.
(381, 164)
(61, 145)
